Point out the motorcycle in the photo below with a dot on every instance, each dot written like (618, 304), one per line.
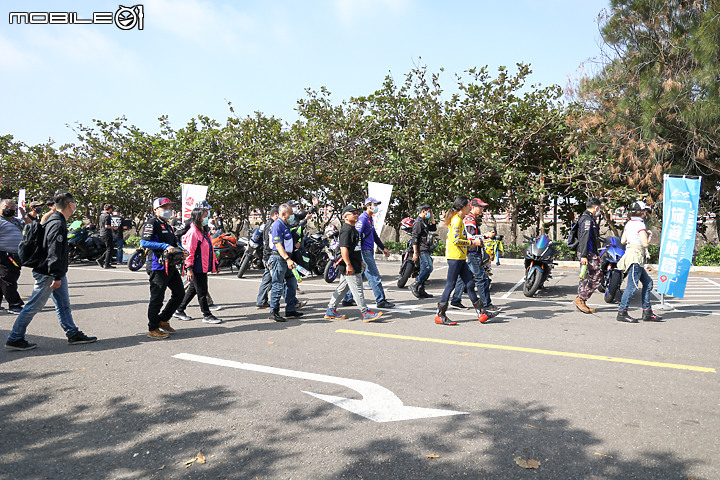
(332, 249)
(408, 267)
(612, 276)
(253, 255)
(84, 243)
(539, 262)
(229, 251)
(137, 259)
(314, 253)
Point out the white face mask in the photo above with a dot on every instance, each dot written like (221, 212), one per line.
(375, 209)
(166, 214)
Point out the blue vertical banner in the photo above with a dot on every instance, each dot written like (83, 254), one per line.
(681, 198)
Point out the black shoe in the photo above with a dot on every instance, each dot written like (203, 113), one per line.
(80, 337)
(293, 314)
(423, 293)
(415, 290)
(622, 316)
(100, 263)
(111, 266)
(275, 315)
(351, 303)
(21, 344)
(492, 308)
(385, 304)
(649, 316)
(14, 310)
(458, 306)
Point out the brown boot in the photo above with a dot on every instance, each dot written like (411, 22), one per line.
(157, 333)
(582, 306)
(165, 326)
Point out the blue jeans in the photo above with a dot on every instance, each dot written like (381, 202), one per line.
(426, 267)
(283, 283)
(39, 297)
(120, 244)
(482, 282)
(265, 285)
(459, 268)
(373, 277)
(636, 274)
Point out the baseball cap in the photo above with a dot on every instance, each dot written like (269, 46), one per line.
(423, 206)
(476, 202)
(159, 202)
(370, 200)
(637, 206)
(35, 204)
(350, 208)
(291, 203)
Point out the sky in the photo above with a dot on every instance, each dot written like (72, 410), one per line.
(192, 57)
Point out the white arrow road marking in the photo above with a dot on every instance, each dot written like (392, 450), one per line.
(378, 403)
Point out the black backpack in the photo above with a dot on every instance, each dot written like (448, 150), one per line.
(573, 242)
(31, 249)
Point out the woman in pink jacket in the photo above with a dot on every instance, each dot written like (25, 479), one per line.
(200, 260)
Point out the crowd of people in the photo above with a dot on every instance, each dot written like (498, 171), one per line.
(177, 248)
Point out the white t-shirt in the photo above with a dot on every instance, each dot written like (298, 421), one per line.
(632, 230)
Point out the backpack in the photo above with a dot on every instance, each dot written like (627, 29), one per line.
(573, 242)
(31, 250)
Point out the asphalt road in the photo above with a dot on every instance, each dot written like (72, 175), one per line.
(584, 395)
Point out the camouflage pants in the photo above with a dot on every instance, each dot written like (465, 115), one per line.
(592, 277)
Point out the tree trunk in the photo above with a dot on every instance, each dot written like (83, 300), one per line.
(513, 219)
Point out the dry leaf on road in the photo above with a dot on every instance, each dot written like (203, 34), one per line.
(432, 455)
(527, 462)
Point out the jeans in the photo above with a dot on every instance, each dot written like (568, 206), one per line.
(426, 267)
(637, 274)
(159, 282)
(120, 244)
(353, 283)
(39, 297)
(265, 286)
(283, 283)
(482, 282)
(373, 275)
(459, 268)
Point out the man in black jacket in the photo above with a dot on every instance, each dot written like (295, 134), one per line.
(51, 279)
(106, 230)
(588, 245)
(422, 248)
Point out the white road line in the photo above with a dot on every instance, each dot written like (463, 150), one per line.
(712, 281)
(517, 285)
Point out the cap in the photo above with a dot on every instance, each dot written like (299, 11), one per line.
(35, 204)
(291, 203)
(159, 202)
(476, 202)
(350, 208)
(423, 206)
(370, 200)
(202, 204)
(637, 206)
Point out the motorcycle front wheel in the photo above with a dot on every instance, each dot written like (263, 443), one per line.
(532, 283)
(136, 261)
(405, 273)
(330, 273)
(244, 265)
(320, 263)
(613, 286)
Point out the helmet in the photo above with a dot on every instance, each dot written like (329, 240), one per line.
(407, 223)
(202, 204)
(331, 231)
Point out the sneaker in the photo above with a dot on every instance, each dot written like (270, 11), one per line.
(332, 314)
(492, 309)
(275, 315)
(351, 303)
(21, 344)
(180, 315)
(110, 266)
(370, 316)
(299, 292)
(14, 310)
(622, 316)
(300, 304)
(458, 306)
(211, 319)
(100, 263)
(80, 337)
(263, 306)
(165, 327)
(385, 304)
(215, 308)
(157, 334)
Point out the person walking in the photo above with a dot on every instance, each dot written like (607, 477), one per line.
(350, 270)
(637, 238)
(422, 243)
(456, 252)
(51, 280)
(199, 262)
(281, 265)
(10, 237)
(588, 245)
(476, 255)
(106, 231)
(266, 282)
(118, 223)
(159, 238)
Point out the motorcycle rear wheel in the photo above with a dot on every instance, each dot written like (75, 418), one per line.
(136, 261)
(405, 274)
(532, 283)
(330, 273)
(613, 286)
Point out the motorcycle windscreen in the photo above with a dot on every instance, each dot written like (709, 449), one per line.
(542, 242)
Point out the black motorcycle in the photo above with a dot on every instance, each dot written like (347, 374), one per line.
(311, 254)
(137, 259)
(539, 262)
(332, 250)
(84, 243)
(408, 267)
(253, 256)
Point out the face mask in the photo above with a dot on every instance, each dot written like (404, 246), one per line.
(291, 218)
(166, 214)
(8, 212)
(205, 221)
(38, 210)
(375, 209)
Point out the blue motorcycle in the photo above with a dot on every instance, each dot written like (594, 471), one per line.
(612, 276)
(539, 263)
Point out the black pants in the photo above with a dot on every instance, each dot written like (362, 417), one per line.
(106, 258)
(9, 275)
(159, 282)
(198, 285)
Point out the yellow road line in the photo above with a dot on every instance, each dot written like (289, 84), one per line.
(533, 350)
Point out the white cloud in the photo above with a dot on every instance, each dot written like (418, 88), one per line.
(349, 11)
